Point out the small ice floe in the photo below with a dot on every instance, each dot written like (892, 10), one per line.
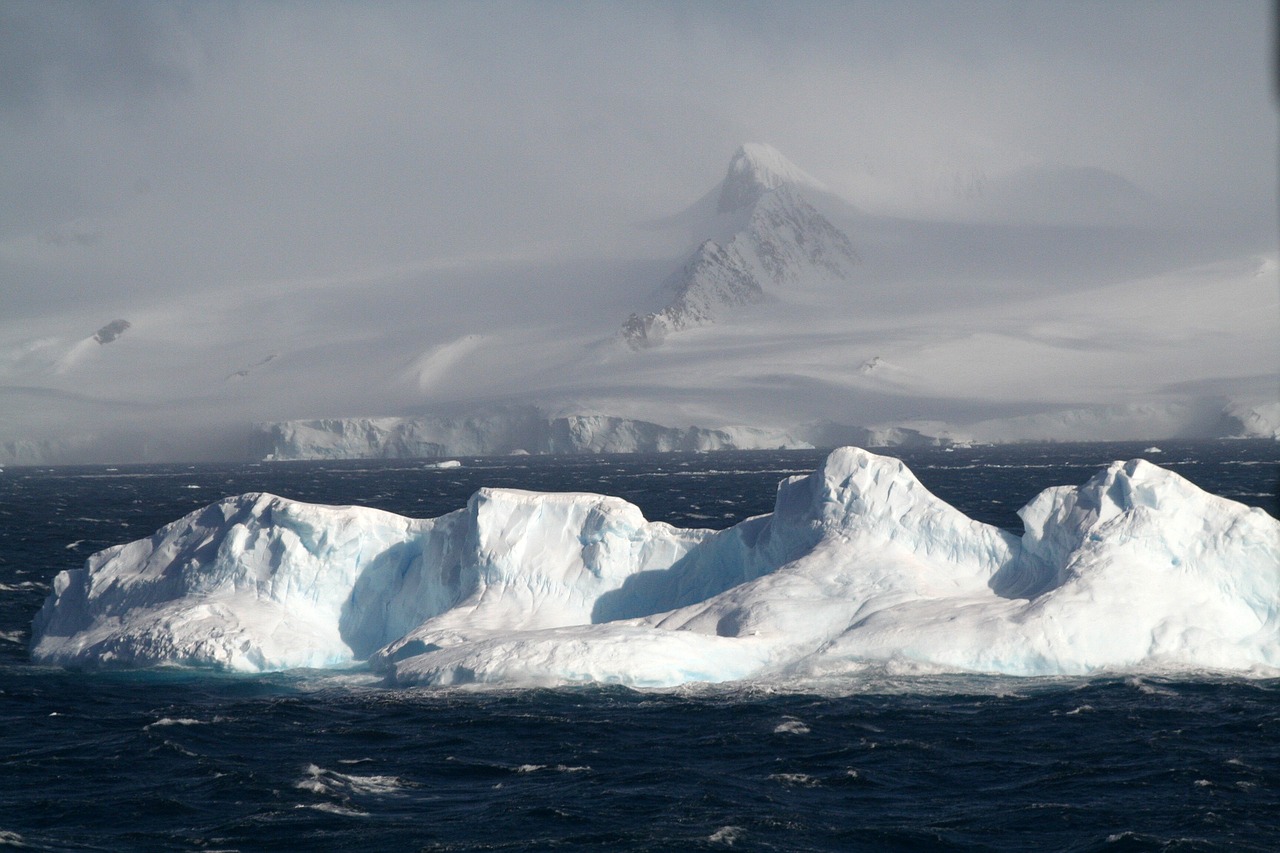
(727, 835)
(445, 464)
(321, 780)
(172, 721)
(559, 768)
(1152, 449)
(336, 808)
(18, 587)
(1149, 688)
(791, 726)
(799, 780)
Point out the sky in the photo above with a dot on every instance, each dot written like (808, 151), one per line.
(160, 148)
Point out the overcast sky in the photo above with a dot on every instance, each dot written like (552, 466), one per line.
(154, 147)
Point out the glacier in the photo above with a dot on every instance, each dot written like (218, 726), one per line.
(501, 431)
(858, 565)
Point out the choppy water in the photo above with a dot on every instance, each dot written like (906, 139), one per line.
(180, 760)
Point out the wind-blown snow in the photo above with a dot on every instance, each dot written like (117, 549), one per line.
(1135, 569)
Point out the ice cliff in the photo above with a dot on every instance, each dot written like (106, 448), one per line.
(858, 563)
(500, 432)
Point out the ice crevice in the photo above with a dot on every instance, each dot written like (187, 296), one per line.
(1135, 570)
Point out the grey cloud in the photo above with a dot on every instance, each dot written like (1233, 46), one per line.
(70, 237)
(282, 140)
(87, 50)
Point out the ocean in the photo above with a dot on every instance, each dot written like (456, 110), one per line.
(182, 760)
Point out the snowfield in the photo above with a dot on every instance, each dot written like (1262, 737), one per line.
(1136, 569)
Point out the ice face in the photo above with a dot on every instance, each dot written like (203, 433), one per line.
(858, 562)
(501, 432)
(258, 582)
(254, 582)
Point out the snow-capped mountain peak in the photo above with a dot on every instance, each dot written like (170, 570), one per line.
(771, 238)
(757, 168)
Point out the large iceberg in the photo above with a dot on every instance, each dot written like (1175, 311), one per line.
(1137, 569)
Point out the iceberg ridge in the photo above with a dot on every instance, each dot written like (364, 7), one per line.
(858, 563)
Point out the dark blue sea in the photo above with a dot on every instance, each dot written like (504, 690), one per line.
(180, 760)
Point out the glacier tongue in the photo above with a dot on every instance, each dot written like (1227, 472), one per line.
(858, 562)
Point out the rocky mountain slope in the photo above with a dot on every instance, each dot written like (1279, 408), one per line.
(775, 239)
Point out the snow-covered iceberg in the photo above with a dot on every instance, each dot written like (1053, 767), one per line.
(858, 563)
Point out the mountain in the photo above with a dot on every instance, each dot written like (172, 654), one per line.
(775, 240)
(757, 169)
(765, 328)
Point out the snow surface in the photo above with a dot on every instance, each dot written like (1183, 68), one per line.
(1137, 569)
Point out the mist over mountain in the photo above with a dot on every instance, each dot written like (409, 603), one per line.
(796, 319)
(829, 222)
(763, 238)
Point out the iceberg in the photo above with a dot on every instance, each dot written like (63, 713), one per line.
(858, 565)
